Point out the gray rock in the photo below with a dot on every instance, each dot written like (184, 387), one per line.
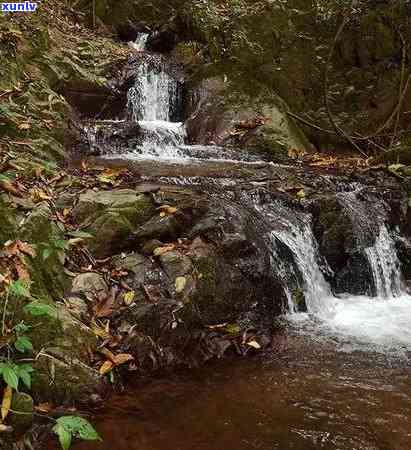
(175, 264)
(90, 284)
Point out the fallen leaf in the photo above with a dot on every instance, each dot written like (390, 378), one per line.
(44, 407)
(129, 297)
(167, 209)
(105, 307)
(9, 187)
(162, 250)
(301, 194)
(26, 248)
(254, 344)
(106, 367)
(180, 284)
(22, 272)
(38, 195)
(100, 331)
(6, 403)
(122, 358)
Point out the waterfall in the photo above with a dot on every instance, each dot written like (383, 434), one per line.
(141, 41)
(385, 265)
(380, 322)
(154, 94)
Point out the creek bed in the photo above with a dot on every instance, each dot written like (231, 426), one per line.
(306, 395)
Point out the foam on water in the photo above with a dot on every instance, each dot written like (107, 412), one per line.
(380, 323)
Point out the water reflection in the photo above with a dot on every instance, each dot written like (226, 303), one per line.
(308, 397)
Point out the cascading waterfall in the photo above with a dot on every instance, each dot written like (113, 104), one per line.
(385, 265)
(380, 320)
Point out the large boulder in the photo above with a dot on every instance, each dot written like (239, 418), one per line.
(265, 129)
(112, 216)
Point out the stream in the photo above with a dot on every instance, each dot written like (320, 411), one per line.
(308, 396)
(338, 376)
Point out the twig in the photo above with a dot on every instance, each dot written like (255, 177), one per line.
(94, 14)
(3, 325)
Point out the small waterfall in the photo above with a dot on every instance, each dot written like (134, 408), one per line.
(154, 94)
(300, 270)
(299, 238)
(141, 41)
(385, 265)
(373, 239)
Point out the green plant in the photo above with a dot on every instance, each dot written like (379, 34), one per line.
(14, 373)
(68, 427)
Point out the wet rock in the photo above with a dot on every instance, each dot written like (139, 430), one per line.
(92, 204)
(135, 264)
(268, 130)
(112, 137)
(77, 307)
(167, 227)
(91, 285)
(175, 264)
(150, 246)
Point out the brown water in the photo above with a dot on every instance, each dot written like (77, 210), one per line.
(306, 396)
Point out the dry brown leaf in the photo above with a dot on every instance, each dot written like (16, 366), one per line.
(6, 403)
(44, 407)
(162, 250)
(106, 367)
(38, 195)
(122, 358)
(22, 272)
(167, 209)
(105, 307)
(254, 344)
(10, 188)
(26, 248)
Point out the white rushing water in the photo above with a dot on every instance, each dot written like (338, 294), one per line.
(141, 42)
(379, 323)
(152, 102)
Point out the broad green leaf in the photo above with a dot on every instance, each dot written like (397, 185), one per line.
(10, 376)
(38, 309)
(23, 343)
(24, 373)
(79, 427)
(64, 436)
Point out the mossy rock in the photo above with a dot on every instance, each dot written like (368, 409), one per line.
(21, 403)
(48, 274)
